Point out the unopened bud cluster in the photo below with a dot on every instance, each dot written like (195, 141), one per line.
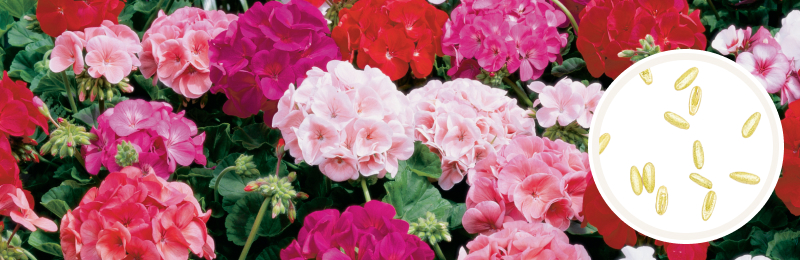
(280, 192)
(24, 149)
(245, 167)
(13, 250)
(126, 154)
(100, 88)
(65, 139)
(648, 48)
(494, 79)
(429, 229)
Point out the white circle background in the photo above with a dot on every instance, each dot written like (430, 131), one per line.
(633, 114)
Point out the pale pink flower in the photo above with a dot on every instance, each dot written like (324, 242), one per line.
(790, 91)
(591, 96)
(461, 135)
(340, 165)
(533, 195)
(68, 51)
(316, 136)
(559, 103)
(731, 40)
(106, 59)
(334, 106)
(197, 44)
(789, 37)
(767, 64)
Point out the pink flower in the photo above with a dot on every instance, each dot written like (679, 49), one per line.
(129, 117)
(591, 96)
(731, 40)
(520, 240)
(197, 44)
(493, 54)
(340, 165)
(336, 107)
(790, 91)
(768, 65)
(68, 51)
(559, 103)
(461, 135)
(789, 38)
(174, 58)
(534, 194)
(316, 136)
(176, 139)
(485, 218)
(14, 203)
(533, 58)
(105, 59)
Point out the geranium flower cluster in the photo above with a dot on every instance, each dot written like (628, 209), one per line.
(505, 34)
(368, 232)
(57, 16)
(19, 117)
(161, 138)
(391, 35)
(347, 121)
(790, 179)
(135, 215)
(18, 204)
(609, 26)
(175, 49)
(522, 240)
(566, 102)
(531, 179)
(463, 121)
(110, 52)
(773, 61)
(253, 64)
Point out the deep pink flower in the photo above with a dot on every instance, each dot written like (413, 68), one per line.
(493, 54)
(767, 64)
(176, 139)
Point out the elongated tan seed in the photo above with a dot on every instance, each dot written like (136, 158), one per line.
(686, 79)
(694, 100)
(750, 125)
(649, 177)
(708, 204)
(700, 180)
(647, 76)
(604, 142)
(676, 120)
(661, 200)
(636, 181)
(698, 154)
(745, 177)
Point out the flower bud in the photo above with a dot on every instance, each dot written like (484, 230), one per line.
(279, 148)
(126, 154)
(625, 54)
(429, 229)
(245, 166)
(302, 195)
(291, 177)
(64, 140)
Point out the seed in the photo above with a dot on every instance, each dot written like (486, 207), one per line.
(745, 177)
(686, 79)
(676, 120)
(708, 204)
(604, 142)
(698, 154)
(646, 76)
(694, 100)
(700, 180)
(750, 125)
(649, 177)
(661, 200)
(636, 181)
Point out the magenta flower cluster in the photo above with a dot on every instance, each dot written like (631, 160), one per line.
(531, 179)
(271, 46)
(463, 121)
(368, 232)
(175, 49)
(161, 138)
(516, 34)
(521, 240)
(351, 123)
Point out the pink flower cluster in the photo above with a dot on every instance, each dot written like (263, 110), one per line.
(565, 102)
(532, 179)
(18, 204)
(175, 49)
(269, 47)
(134, 215)
(520, 240)
(773, 61)
(516, 34)
(110, 51)
(365, 233)
(463, 121)
(162, 138)
(347, 121)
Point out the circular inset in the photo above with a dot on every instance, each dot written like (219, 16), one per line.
(651, 123)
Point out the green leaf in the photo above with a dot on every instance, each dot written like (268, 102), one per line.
(51, 84)
(759, 240)
(62, 198)
(147, 84)
(253, 136)
(41, 46)
(456, 214)
(17, 8)
(6, 21)
(23, 65)
(2, 58)
(219, 139)
(424, 162)
(19, 36)
(273, 252)
(412, 196)
(785, 245)
(146, 7)
(45, 242)
(568, 66)
(89, 115)
(240, 221)
(177, 4)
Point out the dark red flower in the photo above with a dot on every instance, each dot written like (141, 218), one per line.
(615, 233)
(787, 189)
(685, 251)
(57, 16)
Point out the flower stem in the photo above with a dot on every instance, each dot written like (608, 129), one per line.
(520, 92)
(711, 4)
(216, 185)
(278, 168)
(569, 15)
(102, 105)
(438, 251)
(12, 235)
(69, 92)
(364, 187)
(244, 5)
(254, 231)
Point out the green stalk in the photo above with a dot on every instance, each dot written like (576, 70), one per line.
(244, 5)
(711, 4)
(438, 251)
(102, 105)
(520, 92)
(364, 187)
(216, 185)
(254, 231)
(69, 92)
(569, 15)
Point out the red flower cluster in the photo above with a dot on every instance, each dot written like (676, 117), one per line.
(19, 117)
(616, 233)
(57, 16)
(607, 27)
(787, 189)
(391, 35)
(685, 251)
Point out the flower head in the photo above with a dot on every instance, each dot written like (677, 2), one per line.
(767, 64)
(57, 16)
